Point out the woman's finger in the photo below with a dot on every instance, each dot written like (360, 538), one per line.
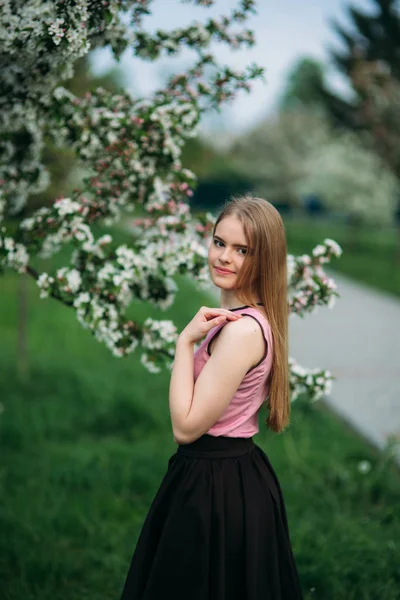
(221, 318)
(213, 312)
(216, 321)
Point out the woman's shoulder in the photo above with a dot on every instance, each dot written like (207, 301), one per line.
(254, 312)
(258, 315)
(242, 333)
(245, 326)
(251, 334)
(240, 326)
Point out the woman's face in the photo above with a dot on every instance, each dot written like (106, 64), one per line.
(227, 250)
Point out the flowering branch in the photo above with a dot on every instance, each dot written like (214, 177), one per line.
(131, 150)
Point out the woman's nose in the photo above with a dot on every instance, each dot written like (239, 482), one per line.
(225, 254)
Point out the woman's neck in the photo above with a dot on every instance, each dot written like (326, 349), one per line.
(230, 301)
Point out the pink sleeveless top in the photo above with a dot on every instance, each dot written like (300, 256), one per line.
(240, 418)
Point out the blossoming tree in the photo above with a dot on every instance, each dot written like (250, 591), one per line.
(298, 152)
(131, 149)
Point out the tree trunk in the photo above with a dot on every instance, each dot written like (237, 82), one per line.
(398, 244)
(22, 322)
(355, 226)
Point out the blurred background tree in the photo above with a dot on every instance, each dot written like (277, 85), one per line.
(315, 131)
(217, 175)
(371, 65)
(375, 38)
(272, 155)
(350, 178)
(305, 86)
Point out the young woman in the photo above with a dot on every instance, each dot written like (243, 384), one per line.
(217, 527)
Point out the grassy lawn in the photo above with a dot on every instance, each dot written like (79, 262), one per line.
(86, 441)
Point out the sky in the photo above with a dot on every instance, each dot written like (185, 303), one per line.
(285, 31)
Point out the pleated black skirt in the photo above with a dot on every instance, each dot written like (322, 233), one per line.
(216, 530)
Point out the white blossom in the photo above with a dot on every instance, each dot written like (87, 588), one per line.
(364, 466)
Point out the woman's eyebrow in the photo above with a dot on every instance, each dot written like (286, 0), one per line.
(235, 245)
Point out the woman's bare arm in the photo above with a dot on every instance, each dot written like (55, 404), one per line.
(196, 407)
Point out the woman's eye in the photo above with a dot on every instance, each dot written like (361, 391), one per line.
(240, 250)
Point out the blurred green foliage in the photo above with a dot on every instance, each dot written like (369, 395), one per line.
(218, 178)
(304, 86)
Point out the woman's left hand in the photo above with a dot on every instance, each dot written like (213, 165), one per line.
(205, 319)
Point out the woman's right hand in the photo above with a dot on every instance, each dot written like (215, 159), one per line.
(205, 319)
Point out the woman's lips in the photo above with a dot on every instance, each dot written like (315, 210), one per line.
(223, 272)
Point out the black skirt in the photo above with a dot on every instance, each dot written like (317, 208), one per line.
(216, 529)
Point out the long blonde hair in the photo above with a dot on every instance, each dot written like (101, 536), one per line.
(264, 276)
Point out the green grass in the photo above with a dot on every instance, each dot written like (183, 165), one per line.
(85, 443)
(371, 255)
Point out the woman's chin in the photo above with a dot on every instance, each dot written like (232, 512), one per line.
(221, 282)
(221, 286)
